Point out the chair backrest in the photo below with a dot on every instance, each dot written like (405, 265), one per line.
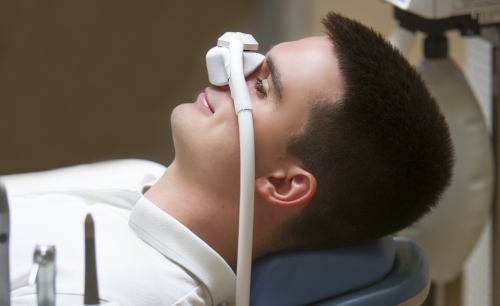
(300, 278)
(407, 284)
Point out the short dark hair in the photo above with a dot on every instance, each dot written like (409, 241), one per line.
(381, 154)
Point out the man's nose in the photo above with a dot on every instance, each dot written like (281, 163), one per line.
(224, 88)
(250, 80)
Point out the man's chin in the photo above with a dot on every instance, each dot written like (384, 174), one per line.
(180, 114)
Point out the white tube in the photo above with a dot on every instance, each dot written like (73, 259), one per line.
(245, 234)
(243, 108)
(237, 82)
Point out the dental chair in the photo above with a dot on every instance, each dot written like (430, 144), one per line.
(387, 272)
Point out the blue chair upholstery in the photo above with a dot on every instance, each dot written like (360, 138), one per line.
(300, 278)
(408, 279)
(383, 272)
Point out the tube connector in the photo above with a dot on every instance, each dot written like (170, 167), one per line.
(249, 43)
(218, 58)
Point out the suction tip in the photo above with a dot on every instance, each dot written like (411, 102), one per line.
(89, 227)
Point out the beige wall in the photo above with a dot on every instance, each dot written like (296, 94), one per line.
(82, 81)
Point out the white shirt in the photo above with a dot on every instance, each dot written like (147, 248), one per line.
(144, 256)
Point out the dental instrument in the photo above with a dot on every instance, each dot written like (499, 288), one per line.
(229, 64)
(91, 295)
(43, 272)
(4, 248)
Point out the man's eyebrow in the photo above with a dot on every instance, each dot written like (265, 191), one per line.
(275, 77)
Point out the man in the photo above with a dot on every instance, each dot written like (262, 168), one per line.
(350, 146)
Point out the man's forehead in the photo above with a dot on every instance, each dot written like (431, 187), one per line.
(308, 58)
(313, 40)
(298, 49)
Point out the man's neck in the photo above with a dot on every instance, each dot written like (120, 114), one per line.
(209, 215)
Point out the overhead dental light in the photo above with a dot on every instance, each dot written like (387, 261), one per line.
(449, 233)
(439, 9)
(229, 64)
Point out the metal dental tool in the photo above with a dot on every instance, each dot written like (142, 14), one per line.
(44, 273)
(228, 63)
(4, 248)
(91, 295)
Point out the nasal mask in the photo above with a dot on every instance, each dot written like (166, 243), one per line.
(229, 63)
(223, 61)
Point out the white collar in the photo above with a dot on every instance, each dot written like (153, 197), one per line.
(178, 243)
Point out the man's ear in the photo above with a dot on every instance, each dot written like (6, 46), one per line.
(291, 187)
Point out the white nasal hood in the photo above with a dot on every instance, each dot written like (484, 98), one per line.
(218, 58)
(229, 64)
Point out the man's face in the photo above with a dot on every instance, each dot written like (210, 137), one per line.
(206, 132)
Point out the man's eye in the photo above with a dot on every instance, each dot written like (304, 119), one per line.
(259, 88)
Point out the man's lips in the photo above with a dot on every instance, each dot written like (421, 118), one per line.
(203, 101)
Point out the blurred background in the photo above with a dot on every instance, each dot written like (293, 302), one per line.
(85, 81)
